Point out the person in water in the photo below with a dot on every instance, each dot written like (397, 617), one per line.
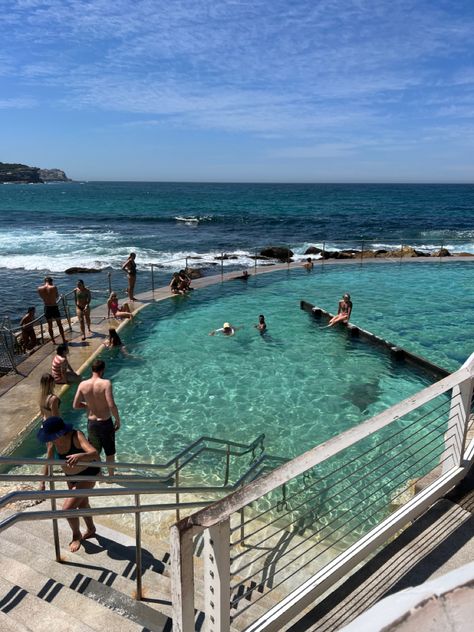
(49, 403)
(71, 445)
(82, 297)
(343, 311)
(117, 311)
(114, 341)
(261, 325)
(226, 330)
(308, 265)
(130, 268)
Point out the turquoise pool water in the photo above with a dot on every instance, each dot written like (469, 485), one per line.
(300, 384)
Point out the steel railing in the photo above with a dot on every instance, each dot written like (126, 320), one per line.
(274, 545)
(135, 485)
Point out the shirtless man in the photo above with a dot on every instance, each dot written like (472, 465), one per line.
(49, 294)
(96, 396)
(28, 334)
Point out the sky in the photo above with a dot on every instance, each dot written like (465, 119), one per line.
(240, 90)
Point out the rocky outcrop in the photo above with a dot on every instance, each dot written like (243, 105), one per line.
(81, 270)
(194, 273)
(277, 252)
(19, 173)
(442, 252)
(53, 175)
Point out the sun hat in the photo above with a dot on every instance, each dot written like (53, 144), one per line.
(52, 428)
(226, 326)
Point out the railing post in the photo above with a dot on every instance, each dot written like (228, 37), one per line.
(42, 333)
(362, 253)
(152, 278)
(288, 257)
(66, 310)
(242, 526)
(182, 579)
(217, 577)
(255, 261)
(324, 252)
(109, 278)
(176, 484)
(138, 549)
(55, 522)
(455, 437)
(227, 465)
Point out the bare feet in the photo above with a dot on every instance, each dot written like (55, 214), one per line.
(74, 545)
(90, 533)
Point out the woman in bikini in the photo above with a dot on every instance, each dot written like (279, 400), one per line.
(114, 341)
(71, 445)
(82, 297)
(130, 268)
(343, 311)
(49, 402)
(117, 311)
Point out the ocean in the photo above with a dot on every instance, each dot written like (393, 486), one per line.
(49, 228)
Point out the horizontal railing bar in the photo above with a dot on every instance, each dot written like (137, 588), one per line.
(319, 480)
(38, 461)
(26, 516)
(220, 510)
(325, 537)
(337, 519)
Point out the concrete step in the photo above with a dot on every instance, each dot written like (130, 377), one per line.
(72, 603)
(34, 613)
(93, 577)
(7, 624)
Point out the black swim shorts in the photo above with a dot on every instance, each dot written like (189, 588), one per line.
(102, 435)
(51, 311)
(89, 471)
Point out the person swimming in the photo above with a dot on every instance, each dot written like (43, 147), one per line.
(226, 330)
(261, 325)
(344, 311)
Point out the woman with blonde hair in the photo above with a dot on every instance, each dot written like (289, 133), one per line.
(49, 402)
(115, 309)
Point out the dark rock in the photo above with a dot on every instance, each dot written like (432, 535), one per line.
(329, 254)
(343, 254)
(81, 270)
(442, 252)
(225, 257)
(421, 253)
(277, 252)
(194, 273)
(313, 250)
(381, 252)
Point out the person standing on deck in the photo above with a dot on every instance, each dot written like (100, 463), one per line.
(50, 295)
(82, 297)
(130, 268)
(96, 396)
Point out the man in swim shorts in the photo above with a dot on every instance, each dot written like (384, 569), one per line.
(96, 396)
(50, 295)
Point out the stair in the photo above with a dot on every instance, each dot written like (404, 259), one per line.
(90, 590)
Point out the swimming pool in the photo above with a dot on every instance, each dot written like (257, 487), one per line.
(300, 384)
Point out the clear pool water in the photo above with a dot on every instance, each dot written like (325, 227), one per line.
(301, 383)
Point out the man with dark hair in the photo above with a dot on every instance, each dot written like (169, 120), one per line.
(96, 396)
(50, 295)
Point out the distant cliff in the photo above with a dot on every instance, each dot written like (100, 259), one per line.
(14, 172)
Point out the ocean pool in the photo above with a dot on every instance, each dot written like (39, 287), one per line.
(301, 383)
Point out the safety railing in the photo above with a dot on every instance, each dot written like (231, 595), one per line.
(273, 546)
(144, 482)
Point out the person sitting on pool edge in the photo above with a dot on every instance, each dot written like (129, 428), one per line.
(226, 330)
(344, 310)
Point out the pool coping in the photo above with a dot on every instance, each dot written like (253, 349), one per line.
(18, 403)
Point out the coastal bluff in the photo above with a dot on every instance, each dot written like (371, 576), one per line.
(16, 173)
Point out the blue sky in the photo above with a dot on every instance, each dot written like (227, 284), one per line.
(237, 90)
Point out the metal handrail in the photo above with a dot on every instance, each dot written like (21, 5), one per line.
(154, 486)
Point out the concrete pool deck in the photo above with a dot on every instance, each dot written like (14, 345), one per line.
(19, 392)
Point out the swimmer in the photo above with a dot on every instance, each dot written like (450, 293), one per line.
(226, 330)
(114, 341)
(262, 325)
(308, 265)
(344, 311)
